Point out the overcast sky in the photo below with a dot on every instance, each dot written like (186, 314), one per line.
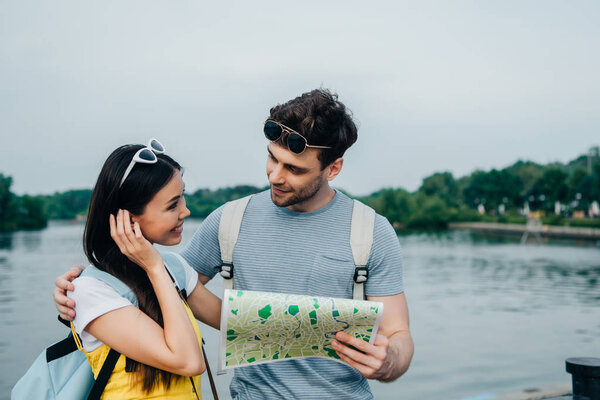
(433, 85)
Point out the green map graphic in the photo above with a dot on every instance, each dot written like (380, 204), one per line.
(259, 327)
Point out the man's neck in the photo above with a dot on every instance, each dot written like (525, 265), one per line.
(318, 201)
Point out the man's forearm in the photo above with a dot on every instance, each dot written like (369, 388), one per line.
(400, 352)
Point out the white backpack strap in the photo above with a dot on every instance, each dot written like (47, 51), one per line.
(361, 241)
(229, 229)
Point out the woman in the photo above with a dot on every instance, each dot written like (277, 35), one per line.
(138, 201)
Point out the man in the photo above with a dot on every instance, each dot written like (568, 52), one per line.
(294, 238)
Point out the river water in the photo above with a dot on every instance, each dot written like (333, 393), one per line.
(489, 316)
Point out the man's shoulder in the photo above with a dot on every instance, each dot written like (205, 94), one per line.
(349, 202)
(381, 224)
(343, 197)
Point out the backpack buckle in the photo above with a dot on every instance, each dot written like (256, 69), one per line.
(361, 274)
(226, 270)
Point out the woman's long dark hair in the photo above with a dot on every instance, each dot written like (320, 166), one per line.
(144, 181)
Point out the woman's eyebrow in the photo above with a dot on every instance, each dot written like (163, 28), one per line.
(174, 198)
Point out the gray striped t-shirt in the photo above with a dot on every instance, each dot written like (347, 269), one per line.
(283, 251)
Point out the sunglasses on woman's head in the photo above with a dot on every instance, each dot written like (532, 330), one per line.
(145, 155)
(296, 143)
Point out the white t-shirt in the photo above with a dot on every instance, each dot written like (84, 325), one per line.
(94, 298)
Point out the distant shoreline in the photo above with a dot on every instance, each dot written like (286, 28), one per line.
(545, 231)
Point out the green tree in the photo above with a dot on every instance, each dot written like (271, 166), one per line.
(8, 209)
(69, 204)
(432, 213)
(25, 212)
(595, 192)
(528, 173)
(443, 185)
(397, 205)
(581, 187)
(576, 180)
(31, 213)
(550, 188)
(493, 188)
(204, 201)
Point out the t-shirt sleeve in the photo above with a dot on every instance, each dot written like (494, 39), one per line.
(93, 298)
(385, 261)
(203, 253)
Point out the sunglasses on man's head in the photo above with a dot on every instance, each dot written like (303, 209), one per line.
(296, 143)
(145, 155)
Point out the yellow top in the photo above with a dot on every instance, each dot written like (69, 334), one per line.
(122, 385)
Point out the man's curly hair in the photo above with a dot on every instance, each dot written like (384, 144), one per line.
(322, 119)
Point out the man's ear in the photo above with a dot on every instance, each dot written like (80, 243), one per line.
(334, 169)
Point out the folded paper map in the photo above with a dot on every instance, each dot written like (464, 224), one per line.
(259, 327)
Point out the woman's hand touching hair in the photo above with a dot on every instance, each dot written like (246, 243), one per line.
(132, 243)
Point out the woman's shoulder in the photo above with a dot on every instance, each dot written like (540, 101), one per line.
(90, 292)
(93, 298)
(83, 284)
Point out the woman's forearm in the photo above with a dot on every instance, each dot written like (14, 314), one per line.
(179, 335)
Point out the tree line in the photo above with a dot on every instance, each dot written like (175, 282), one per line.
(33, 212)
(494, 195)
(555, 191)
(19, 212)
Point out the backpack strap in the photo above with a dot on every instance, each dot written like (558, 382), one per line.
(61, 349)
(175, 264)
(229, 229)
(104, 375)
(361, 242)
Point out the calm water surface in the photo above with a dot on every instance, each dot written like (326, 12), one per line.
(488, 315)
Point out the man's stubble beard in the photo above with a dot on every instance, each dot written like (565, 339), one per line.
(305, 193)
